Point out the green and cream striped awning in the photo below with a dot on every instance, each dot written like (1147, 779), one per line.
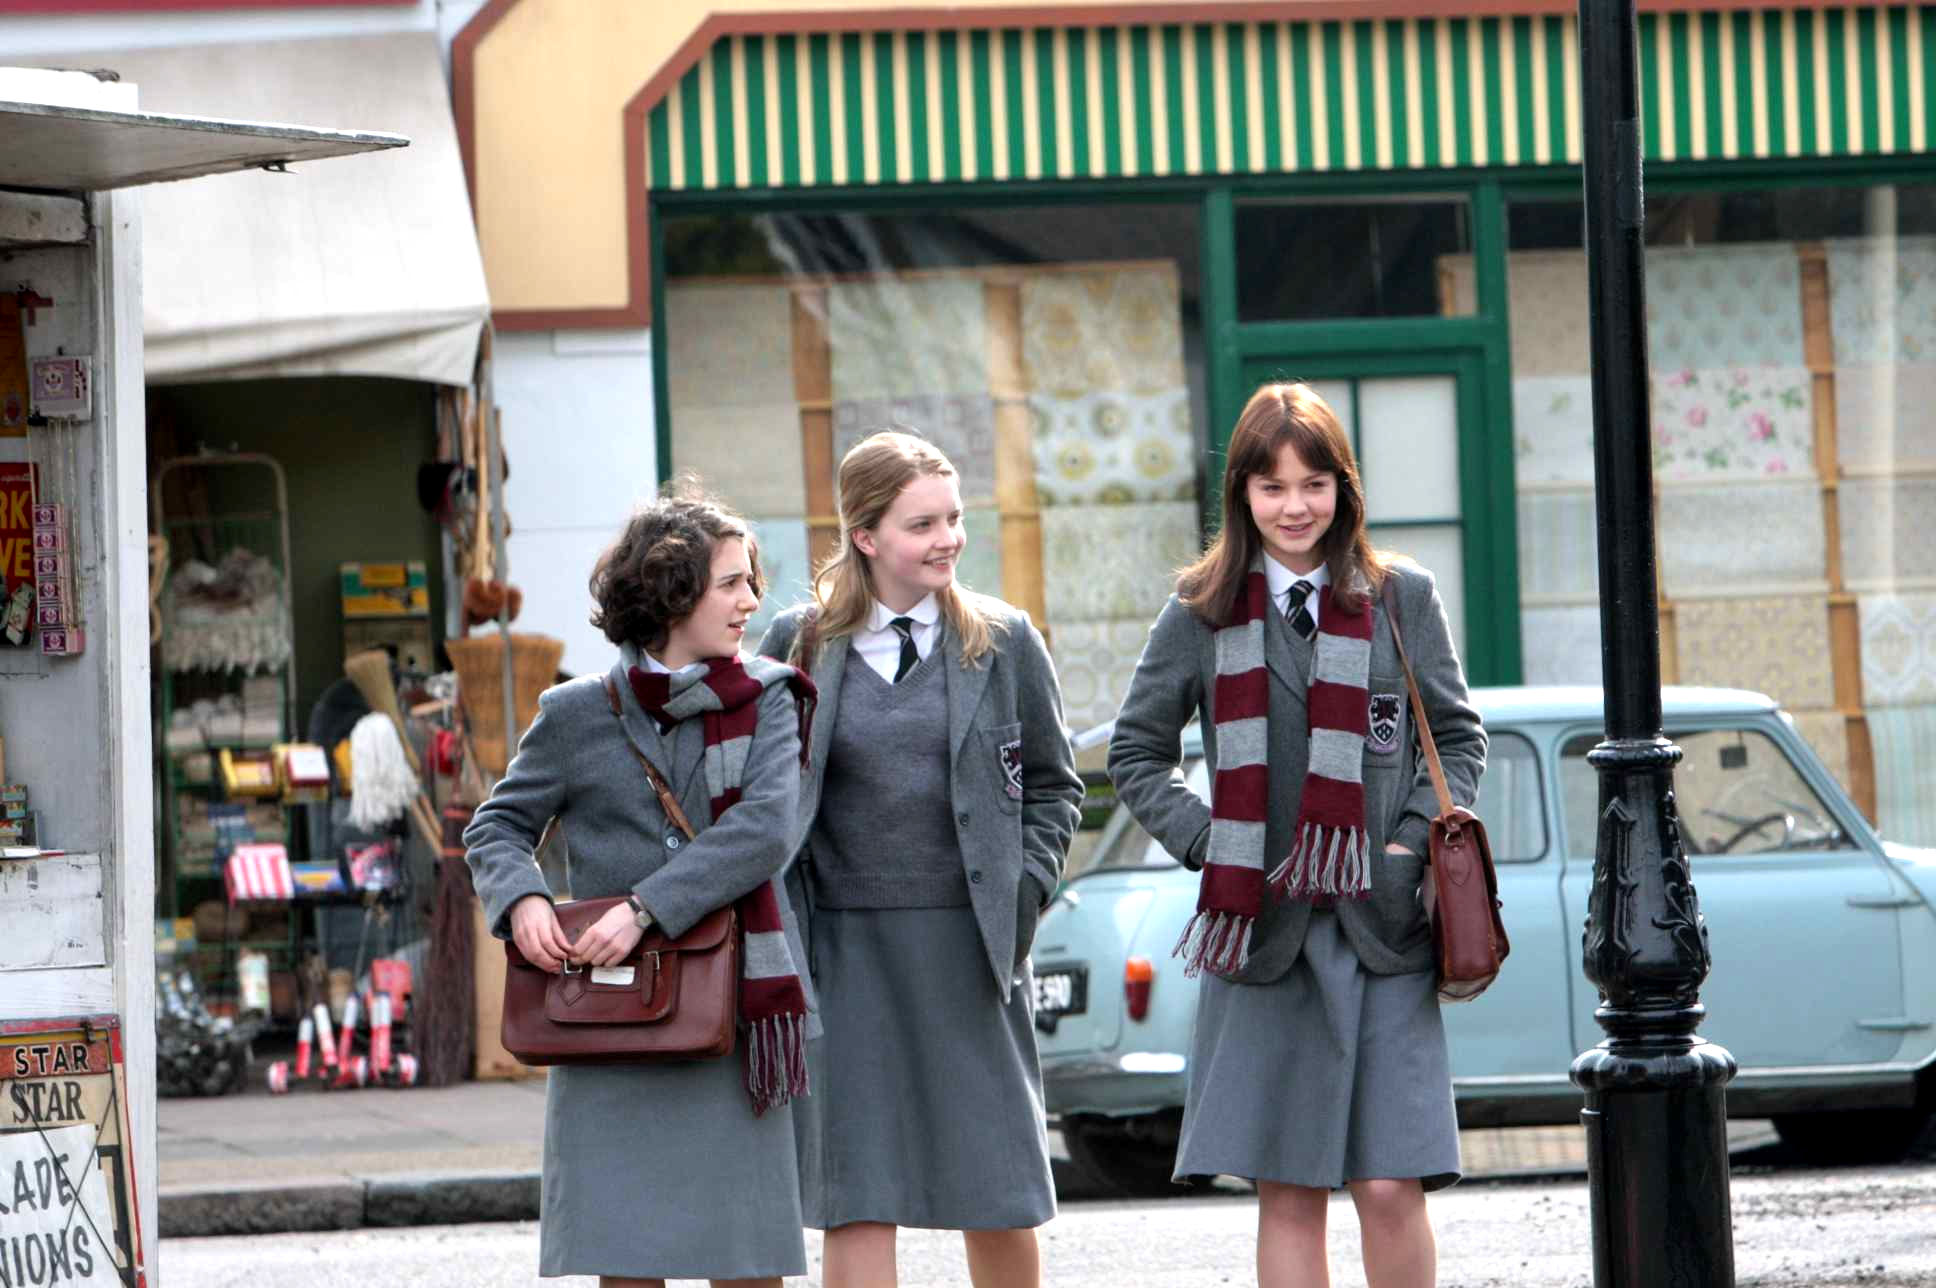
(901, 107)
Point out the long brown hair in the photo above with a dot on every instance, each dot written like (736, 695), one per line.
(872, 474)
(1282, 414)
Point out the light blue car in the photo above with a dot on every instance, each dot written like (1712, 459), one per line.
(1823, 937)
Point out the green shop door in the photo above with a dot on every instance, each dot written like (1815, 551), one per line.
(1417, 422)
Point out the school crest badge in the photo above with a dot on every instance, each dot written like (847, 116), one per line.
(1383, 718)
(1012, 769)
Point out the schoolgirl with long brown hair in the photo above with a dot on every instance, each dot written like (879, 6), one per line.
(1319, 1058)
(940, 799)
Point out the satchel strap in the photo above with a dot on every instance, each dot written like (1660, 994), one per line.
(1420, 720)
(667, 801)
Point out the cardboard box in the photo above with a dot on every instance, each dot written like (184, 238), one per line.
(385, 590)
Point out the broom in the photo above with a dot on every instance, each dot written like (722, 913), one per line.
(369, 671)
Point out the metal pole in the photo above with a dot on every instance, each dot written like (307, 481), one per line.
(1655, 1116)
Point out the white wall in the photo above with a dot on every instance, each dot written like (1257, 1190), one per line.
(25, 35)
(578, 435)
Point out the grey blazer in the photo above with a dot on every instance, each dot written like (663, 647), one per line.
(576, 761)
(1174, 684)
(1013, 846)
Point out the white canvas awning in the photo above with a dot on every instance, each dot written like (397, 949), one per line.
(367, 265)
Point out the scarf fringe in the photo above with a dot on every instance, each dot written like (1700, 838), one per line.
(776, 1061)
(1326, 860)
(1216, 941)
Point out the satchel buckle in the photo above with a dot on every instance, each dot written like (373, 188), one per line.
(571, 969)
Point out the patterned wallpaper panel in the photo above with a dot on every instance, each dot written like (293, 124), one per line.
(1826, 733)
(1114, 561)
(1885, 414)
(961, 425)
(980, 566)
(1561, 645)
(1113, 449)
(1094, 661)
(1724, 306)
(1557, 550)
(1553, 429)
(906, 336)
(1733, 422)
(1109, 330)
(1882, 298)
(1898, 649)
(1904, 739)
(1776, 645)
(783, 558)
(719, 442)
(1714, 537)
(728, 345)
(1886, 529)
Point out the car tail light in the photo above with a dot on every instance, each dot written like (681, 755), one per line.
(1138, 974)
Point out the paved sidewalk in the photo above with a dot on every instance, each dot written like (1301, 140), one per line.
(313, 1160)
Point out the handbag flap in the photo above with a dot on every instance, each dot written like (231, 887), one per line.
(575, 916)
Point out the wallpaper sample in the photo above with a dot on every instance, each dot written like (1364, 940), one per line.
(1545, 305)
(749, 454)
(1113, 449)
(1882, 299)
(783, 559)
(894, 337)
(1724, 306)
(1712, 538)
(1776, 645)
(1557, 550)
(728, 345)
(1094, 661)
(980, 566)
(961, 425)
(1885, 414)
(1560, 645)
(1733, 422)
(1886, 526)
(1904, 739)
(1553, 429)
(1114, 561)
(1107, 330)
(1898, 649)
(1826, 732)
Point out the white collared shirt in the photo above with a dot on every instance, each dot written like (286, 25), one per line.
(879, 644)
(654, 665)
(1281, 579)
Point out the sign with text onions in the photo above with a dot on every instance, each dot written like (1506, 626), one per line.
(67, 1210)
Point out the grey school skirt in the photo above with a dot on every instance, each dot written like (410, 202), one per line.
(1330, 1074)
(926, 1108)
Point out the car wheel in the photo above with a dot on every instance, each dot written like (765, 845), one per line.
(1131, 1156)
(1849, 1136)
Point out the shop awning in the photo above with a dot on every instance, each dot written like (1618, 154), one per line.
(365, 266)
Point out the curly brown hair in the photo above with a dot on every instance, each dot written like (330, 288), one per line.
(655, 574)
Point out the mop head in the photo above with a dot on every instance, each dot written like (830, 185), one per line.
(385, 785)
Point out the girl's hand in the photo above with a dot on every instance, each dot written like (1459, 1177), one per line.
(535, 930)
(606, 941)
(1428, 893)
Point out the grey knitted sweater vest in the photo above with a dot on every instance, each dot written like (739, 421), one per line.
(885, 833)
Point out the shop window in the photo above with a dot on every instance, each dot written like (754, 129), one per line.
(1792, 352)
(1055, 355)
(1352, 258)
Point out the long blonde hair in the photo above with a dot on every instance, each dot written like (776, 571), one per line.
(1282, 414)
(872, 474)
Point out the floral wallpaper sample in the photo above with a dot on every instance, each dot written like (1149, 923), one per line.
(1882, 299)
(1094, 661)
(1114, 561)
(1560, 645)
(1885, 415)
(1898, 649)
(1886, 526)
(1115, 330)
(1827, 734)
(1733, 422)
(749, 454)
(1553, 429)
(1724, 306)
(1904, 740)
(728, 345)
(893, 337)
(1111, 448)
(1558, 554)
(1715, 537)
(961, 425)
(1777, 645)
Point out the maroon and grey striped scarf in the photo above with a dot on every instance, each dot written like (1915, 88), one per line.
(1330, 849)
(726, 692)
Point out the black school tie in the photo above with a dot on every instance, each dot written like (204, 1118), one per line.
(904, 627)
(1296, 612)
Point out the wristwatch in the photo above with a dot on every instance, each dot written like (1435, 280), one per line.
(640, 916)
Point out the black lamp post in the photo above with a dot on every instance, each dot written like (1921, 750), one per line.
(1656, 1117)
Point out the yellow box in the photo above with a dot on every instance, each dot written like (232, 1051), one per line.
(385, 589)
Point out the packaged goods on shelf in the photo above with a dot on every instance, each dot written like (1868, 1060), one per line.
(231, 617)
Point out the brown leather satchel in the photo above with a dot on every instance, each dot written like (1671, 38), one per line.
(670, 999)
(1462, 889)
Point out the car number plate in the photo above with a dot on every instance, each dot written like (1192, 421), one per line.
(1064, 991)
